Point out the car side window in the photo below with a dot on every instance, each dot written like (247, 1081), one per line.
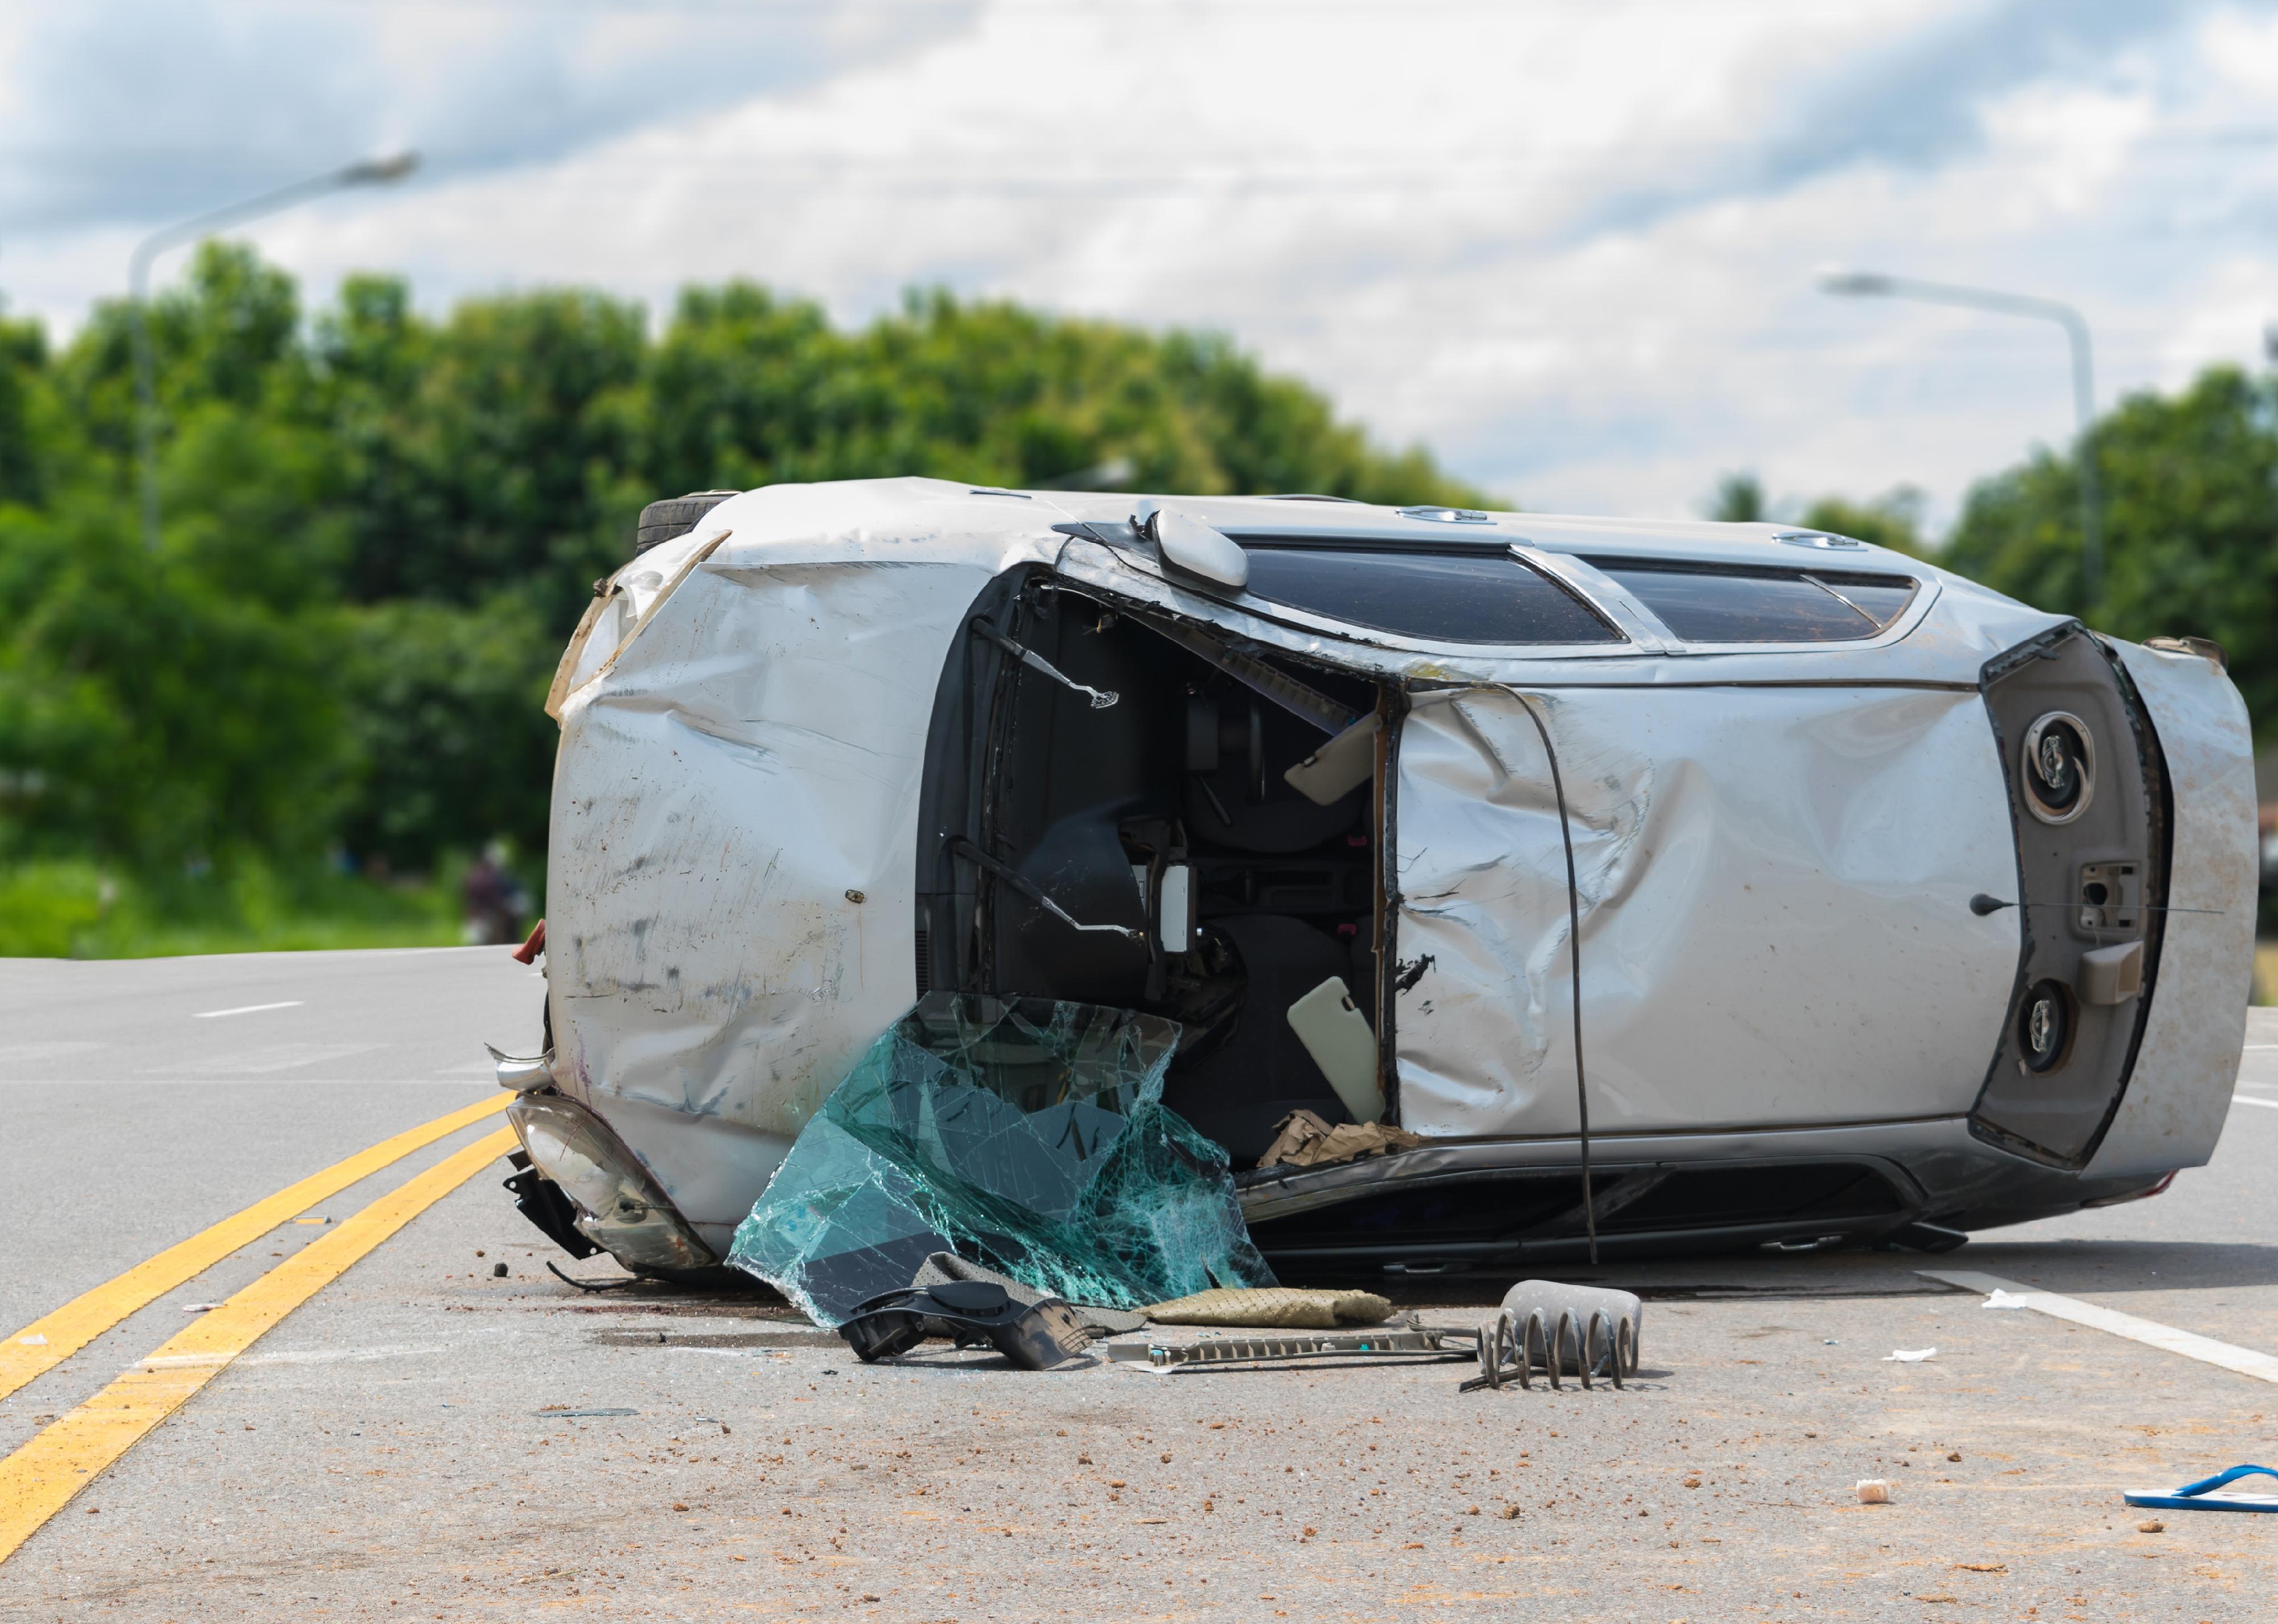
(1714, 604)
(1454, 596)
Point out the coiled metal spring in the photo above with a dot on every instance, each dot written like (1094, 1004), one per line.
(1604, 1346)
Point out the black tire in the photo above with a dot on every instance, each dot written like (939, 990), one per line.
(675, 516)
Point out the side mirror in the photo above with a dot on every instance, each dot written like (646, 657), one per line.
(1192, 547)
(1175, 909)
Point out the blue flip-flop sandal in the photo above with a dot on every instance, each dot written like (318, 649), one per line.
(2195, 1497)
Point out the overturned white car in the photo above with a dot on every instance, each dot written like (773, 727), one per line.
(1797, 891)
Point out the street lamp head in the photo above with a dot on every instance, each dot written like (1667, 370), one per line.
(379, 171)
(1857, 284)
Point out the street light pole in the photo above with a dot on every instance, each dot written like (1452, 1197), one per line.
(371, 172)
(1871, 283)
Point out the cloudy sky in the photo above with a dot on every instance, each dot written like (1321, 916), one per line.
(1568, 246)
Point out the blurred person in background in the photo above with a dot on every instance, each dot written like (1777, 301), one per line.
(495, 900)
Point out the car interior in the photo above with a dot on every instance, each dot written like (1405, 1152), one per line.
(1151, 853)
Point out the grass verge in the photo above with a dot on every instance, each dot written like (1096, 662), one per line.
(75, 909)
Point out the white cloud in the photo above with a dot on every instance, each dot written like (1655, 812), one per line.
(1568, 246)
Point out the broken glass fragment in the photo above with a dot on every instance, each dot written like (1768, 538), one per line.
(1025, 1134)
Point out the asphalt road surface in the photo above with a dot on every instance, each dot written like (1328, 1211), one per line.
(407, 1442)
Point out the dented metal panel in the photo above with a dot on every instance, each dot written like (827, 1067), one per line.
(733, 840)
(1774, 886)
(2187, 1063)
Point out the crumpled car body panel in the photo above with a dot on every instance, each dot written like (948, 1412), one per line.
(745, 768)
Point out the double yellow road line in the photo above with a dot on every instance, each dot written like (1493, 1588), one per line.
(41, 1477)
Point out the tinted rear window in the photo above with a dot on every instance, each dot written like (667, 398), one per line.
(1473, 596)
(1745, 606)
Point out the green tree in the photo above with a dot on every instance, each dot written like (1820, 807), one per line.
(1893, 521)
(745, 389)
(150, 709)
(1739, 499)
(480, 452)
(229, 334)
(445, 710)
(26, 427)
(2190, 525)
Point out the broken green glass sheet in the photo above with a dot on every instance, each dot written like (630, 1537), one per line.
(1025, 1134)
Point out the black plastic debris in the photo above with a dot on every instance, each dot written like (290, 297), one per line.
(1034, 1336)
(1099, 1321)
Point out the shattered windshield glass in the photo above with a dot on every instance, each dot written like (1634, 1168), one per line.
(1024, 1134)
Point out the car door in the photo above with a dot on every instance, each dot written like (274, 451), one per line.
(1773, 884)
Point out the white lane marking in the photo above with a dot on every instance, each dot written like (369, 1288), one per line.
(247, 1008)
(2249, 1098)
(2244, 1361)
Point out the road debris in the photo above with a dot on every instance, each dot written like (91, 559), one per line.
(1413, 1340)
(1281, 1307)
(1909, 1355)
(1303, 1138)
(2200, 1495)
(1098, 1320)
(1873, 1491)
(1035, 1336)
(1557, 1329)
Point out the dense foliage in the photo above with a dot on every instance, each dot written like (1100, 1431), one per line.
(2190, 525)
(379, 529)
(1893, 520)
